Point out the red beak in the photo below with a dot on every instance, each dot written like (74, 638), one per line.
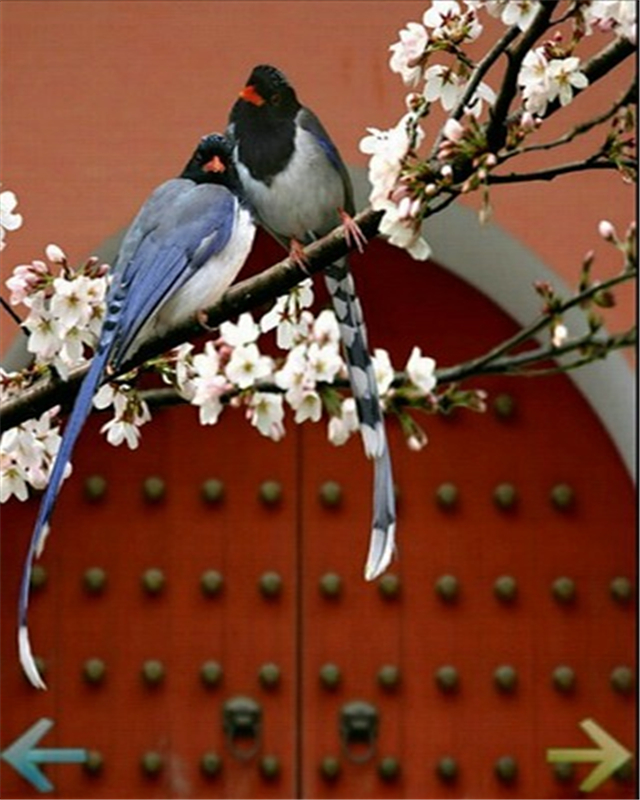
(250, 95)
(215, 165)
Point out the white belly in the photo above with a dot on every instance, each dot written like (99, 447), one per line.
(206, 286)
(212, 280)
(292, 205)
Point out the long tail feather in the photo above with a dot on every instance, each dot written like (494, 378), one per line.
(382, 546)
(81, 410)
(372, 429)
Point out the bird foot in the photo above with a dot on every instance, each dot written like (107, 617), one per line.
(203, 317)
(297, 255)
(352, 233)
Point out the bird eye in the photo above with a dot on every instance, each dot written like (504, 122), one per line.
(275, 99)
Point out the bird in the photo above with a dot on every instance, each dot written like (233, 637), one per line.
(298, 185)
(183, 249)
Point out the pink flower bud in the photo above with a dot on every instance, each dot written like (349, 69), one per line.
(55, 254)
(413, 101)
(528, 122)
(453, 130)
(607, 231)
(417, 441)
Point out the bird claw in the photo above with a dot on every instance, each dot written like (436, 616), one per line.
(298, 256)
(352, 233)
(202, 316)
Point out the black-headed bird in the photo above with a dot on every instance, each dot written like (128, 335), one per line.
(296, 181)
(184, 248)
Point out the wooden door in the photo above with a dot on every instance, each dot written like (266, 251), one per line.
(212, 573)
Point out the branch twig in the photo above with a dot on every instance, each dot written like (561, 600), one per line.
(555, 172)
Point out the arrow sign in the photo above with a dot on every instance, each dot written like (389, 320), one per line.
(610, 755)
(24, 757)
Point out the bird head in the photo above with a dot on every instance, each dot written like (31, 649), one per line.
(268, 94)
(212, 162)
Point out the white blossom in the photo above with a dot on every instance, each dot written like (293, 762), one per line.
(72, 301)
(442, 84)
(533, 79)
(564, 77)
(247, 366)
(287, 315)
(342, 426)
(514, 12)
(45, 333)
(207, 384)
(307, 365)
(406, 53)
(10, 219)
(451, 22)
(65, 312)
(404, 232)
(292, 377)
(618, 16)
(383, 370)
(483, 94)
(309, 407)
(324, 362)
(27, 452)
(266, 413)
(543, 80)
(388, 149)
(245, 331)
(130, 413)
(421, 371)
(326, 329)
(183, 370)
(453, 130)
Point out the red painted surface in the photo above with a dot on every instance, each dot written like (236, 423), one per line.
(552, 438)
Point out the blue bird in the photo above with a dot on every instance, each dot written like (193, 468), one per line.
(183, 249)
(293, 176)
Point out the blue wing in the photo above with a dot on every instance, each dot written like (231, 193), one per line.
(177, 233)
(309, 122)
(177, 230)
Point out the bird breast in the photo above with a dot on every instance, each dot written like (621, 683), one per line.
(303, 198)
(213, 278)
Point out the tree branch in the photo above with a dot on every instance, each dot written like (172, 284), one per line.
(516, 364)
(476, 366)
(584, 127)
(555, 172)
(243, 296)
(479, 72)
(497, 129)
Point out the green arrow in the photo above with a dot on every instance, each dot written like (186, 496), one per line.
(610, 755)
(24, 757)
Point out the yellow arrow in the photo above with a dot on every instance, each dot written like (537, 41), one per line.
(609, 756)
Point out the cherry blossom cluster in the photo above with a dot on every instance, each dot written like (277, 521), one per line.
(27, 453)
(431, 57)
(309, 378)
(66, 306)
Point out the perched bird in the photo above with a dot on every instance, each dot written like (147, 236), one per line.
(298, 185)
(183, 249)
